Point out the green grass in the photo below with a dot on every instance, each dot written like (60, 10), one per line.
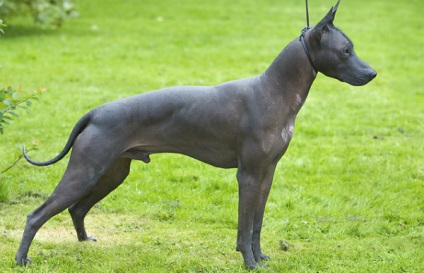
(348, 196)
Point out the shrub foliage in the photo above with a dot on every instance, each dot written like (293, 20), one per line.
(46, 13)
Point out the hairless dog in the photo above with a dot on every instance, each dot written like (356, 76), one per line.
(245, 124)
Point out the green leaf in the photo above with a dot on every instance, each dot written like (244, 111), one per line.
(16, 95)
(13, 114)
(10, 90)
(8, 103)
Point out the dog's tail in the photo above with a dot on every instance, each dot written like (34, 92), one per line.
(78, 128)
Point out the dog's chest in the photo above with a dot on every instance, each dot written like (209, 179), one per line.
(287, 132)
(288, 126)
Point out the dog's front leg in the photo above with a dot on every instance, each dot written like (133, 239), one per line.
(253, 193)
(248, 195)
(265, 187)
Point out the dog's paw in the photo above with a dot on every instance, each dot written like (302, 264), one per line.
(91, 239)
(261, 257)
(24, 261)
(256, 267)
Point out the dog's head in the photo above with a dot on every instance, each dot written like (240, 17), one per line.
(333, 55)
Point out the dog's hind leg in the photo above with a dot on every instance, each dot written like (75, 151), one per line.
(113, 177)
(88, 163)
(65, 194)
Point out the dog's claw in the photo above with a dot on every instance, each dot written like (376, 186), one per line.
(27, 261)
(263, 257)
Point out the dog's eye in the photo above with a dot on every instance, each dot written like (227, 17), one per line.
(346, 51)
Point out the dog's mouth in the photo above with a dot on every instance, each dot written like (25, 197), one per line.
(360, 79)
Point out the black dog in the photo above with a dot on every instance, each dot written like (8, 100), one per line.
(245, 124)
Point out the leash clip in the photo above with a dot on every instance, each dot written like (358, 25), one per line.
(303, 32)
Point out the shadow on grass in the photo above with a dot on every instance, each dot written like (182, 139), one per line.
(23, 26)
(14, 31)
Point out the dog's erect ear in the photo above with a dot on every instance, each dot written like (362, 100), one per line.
(324, 24)
(332, 12)
(329, 18)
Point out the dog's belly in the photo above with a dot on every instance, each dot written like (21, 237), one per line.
(216, 156)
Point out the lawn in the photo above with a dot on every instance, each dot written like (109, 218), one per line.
(348, 196)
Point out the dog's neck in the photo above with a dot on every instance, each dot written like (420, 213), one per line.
(290, 76)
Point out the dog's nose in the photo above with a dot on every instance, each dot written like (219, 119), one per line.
(372, 74)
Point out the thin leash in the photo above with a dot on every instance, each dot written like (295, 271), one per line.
(307, 15)
(302, 37)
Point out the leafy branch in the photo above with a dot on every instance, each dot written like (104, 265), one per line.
(10, 100)
(19, 156)
(1, 21)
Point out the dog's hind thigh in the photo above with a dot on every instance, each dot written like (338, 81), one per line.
(112, 178)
